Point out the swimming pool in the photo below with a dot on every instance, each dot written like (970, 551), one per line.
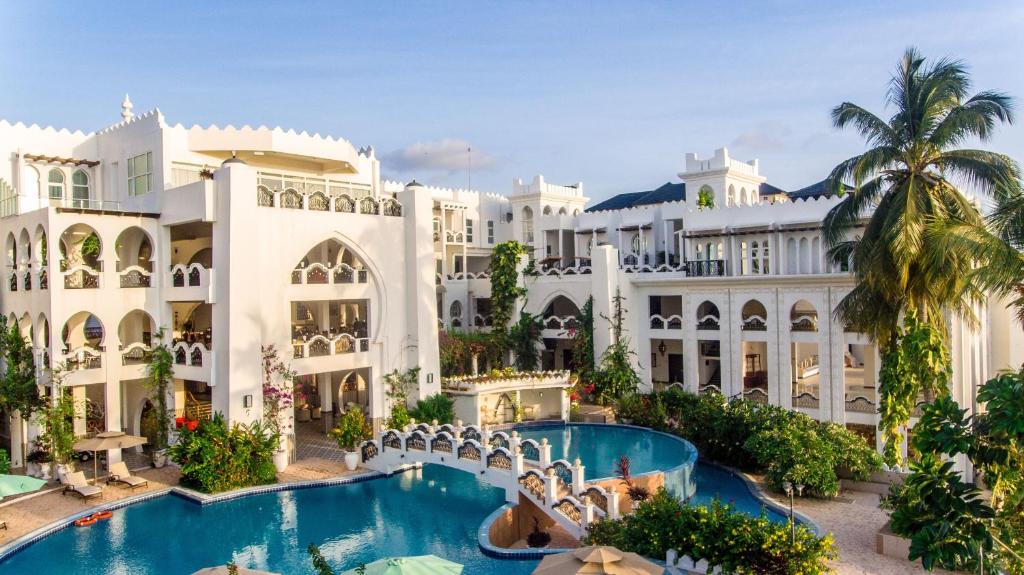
(433, 510)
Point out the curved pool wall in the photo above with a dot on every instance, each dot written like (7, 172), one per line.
(353, 519)
(599, 446)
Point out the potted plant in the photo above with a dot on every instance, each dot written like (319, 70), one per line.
(37, 462)
(538, 539)
(351, 430)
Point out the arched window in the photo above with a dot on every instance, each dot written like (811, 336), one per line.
(527, 225)
(765, 268)
(730, 196)
(547, 210)
(743, 197)
(80, 188)
(561, 211)
(56, 184)
(456, 313)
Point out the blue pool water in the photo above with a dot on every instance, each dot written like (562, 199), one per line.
(434, 510)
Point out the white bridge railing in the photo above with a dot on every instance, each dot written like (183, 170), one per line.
(505, 460)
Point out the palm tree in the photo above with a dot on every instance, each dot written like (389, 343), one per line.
(907, 176)
(905, 198)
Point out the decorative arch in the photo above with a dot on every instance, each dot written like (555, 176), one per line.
(80, 244)
(547, 210)
(744, 199)
(40, 251)
(803, 316)
(562, 211)
(80, 188)
(24, 247)
(754, 316)
(379, 304)
(42, 339)
(708, 316)
(11, 250)
(134, 334)
(134, 248)
(83, 329)
(730, 195)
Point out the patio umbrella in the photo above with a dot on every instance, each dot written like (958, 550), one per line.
(597, 560)
(223, 570)
(106, 441)
(18, 484)
(418, 565)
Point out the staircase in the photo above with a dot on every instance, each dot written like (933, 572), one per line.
(522, 467)
(196, 410)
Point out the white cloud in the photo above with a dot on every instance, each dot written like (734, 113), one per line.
(448, 155)
(766, 136)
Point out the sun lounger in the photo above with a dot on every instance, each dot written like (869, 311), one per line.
(79, 485)
(119, 474)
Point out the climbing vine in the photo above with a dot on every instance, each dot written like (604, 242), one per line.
(583, 343)
(523, 338)
(705, 199)
(505, 288)
(917, 362)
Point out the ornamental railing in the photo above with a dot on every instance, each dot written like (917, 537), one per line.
(319, 346)
(320, 274)
(318, 200)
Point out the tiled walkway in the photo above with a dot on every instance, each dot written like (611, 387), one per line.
(312, 443)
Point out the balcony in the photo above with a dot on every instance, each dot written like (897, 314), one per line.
(671, 322)
(193, 360)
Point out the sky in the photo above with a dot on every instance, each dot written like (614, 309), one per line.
(612, 94)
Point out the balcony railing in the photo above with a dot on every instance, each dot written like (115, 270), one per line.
(319, 346)
(692, 268)
(193, 354)
(319, 274)
(565, 322)
(670, 322)
(808, 322)
(483, 321)
(85, 357)
(318, 200)
(754, 323)
(136, 277)
(192, 275)
(82, 276)
(134, 353)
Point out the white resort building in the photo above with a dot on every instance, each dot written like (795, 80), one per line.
(231, 239)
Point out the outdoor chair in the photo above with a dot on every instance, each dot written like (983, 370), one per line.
(119, 474)
(79, 485)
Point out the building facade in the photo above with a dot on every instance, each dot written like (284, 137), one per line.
(228, 240)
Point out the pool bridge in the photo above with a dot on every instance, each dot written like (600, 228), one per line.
(504, 460)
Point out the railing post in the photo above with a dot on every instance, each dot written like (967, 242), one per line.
(587, 513)
(613, 504)
(517, 464)
(545, 453)
(457, 430)
(550, 487)
(485, 436)
(514, 441)
(577, 477)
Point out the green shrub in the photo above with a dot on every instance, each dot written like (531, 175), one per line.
(5, 461)
(352, 429)
(438, 406)
(784, 444)
(729, 539)
(214, 458)
(399, 417)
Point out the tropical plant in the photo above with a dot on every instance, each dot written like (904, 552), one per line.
(635, 491)
(19, 391)
(351, 430)
(705, 199)
(216, 457)
(915, 364)
(5, 461)
(56, 419)
(725, 538)
(399, 386)
(91, 246)
(908, 176)
(159, 374)
(523, 338)
(505, 288)
(615, 376)
(278, 389)
(438, 407)
(948, 521)
(457, 350)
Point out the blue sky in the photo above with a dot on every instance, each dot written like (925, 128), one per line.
(611, 94)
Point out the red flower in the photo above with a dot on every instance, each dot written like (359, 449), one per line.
(589, 389)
